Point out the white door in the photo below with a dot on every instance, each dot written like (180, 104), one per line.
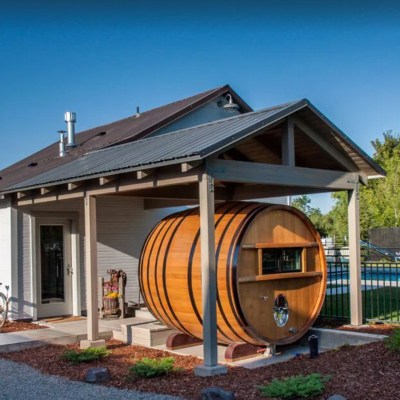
(54, 273)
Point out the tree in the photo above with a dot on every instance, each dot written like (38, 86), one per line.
(303, 203)
(379, 201)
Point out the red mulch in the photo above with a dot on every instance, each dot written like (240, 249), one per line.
(17, 326)
(359, 372)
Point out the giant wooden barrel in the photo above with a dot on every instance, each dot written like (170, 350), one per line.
(271, 273)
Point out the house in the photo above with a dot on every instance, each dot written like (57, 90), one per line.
(36, 290)
(65, 220)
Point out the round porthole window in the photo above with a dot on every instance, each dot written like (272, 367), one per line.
(281, 310)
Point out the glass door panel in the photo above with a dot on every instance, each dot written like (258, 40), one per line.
(52, 263)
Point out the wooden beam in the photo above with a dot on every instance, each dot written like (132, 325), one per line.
(121, 185)
(341, 158)
(105, 180)
(21, 195)
(288, 148)
(46, 190)
(142, 174)
(250, 192)
(280, 175)
(75, 185)
(354, 257)
(150, 204)
(187, 166)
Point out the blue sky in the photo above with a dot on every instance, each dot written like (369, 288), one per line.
(101, 59)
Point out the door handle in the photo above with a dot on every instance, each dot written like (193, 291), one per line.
(69, 270)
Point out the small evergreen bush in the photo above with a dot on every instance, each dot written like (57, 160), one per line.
(86, 355)
(294, 387)
(393, 341)
(150, 367)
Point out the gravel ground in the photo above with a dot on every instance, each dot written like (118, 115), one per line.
(20, 382)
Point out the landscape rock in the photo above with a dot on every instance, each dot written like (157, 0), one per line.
(97, 375)
(215, 393)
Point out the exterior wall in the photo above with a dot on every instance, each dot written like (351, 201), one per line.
(211, 111)
(122, 227)
(8, 251)
(27, 285)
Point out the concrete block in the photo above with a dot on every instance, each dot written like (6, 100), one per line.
(150, 334)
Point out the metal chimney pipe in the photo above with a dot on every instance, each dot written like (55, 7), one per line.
(62, 144)
(137, 112)
(70, 119)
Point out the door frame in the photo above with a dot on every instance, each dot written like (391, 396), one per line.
(41, 218)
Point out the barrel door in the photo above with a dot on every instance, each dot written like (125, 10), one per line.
(271, 273)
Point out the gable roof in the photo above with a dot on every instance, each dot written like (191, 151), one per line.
(195, 143)
(122, 131)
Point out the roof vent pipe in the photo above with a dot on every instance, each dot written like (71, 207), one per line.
(70, 119)
(62, 144)
(137, 112)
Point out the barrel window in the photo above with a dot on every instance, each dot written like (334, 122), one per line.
(281, 260)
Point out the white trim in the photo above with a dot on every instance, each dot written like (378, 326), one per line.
(32, 239)
(73, 241)
(76, 268)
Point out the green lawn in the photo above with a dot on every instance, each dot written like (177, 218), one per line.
(378, 304)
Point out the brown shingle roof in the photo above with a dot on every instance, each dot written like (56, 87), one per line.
(122, 131)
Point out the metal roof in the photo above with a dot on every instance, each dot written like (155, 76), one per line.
(184, 145)
(122, 131)
(189, 144)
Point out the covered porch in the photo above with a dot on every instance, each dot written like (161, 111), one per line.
(287, 151)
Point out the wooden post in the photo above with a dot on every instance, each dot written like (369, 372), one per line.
(100, 301)
(121, 296)
(208, 279)
(354, 257)
(91, 275)
(288, 148)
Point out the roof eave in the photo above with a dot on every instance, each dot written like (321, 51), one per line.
(380, 171)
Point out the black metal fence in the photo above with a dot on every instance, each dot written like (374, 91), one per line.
(380, 290)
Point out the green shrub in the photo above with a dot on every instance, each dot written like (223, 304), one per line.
(298, 386)
(393, 341)
(86, 355)
(150, 367)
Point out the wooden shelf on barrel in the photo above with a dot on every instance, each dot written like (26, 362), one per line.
(275, 277)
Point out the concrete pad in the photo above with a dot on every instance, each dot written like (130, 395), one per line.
(334, 338)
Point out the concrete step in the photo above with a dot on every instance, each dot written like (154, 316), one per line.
(118, 335)
(144, 313)
(149, 334)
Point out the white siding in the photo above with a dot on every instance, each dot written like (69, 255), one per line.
(8, 251)
(122, 227)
